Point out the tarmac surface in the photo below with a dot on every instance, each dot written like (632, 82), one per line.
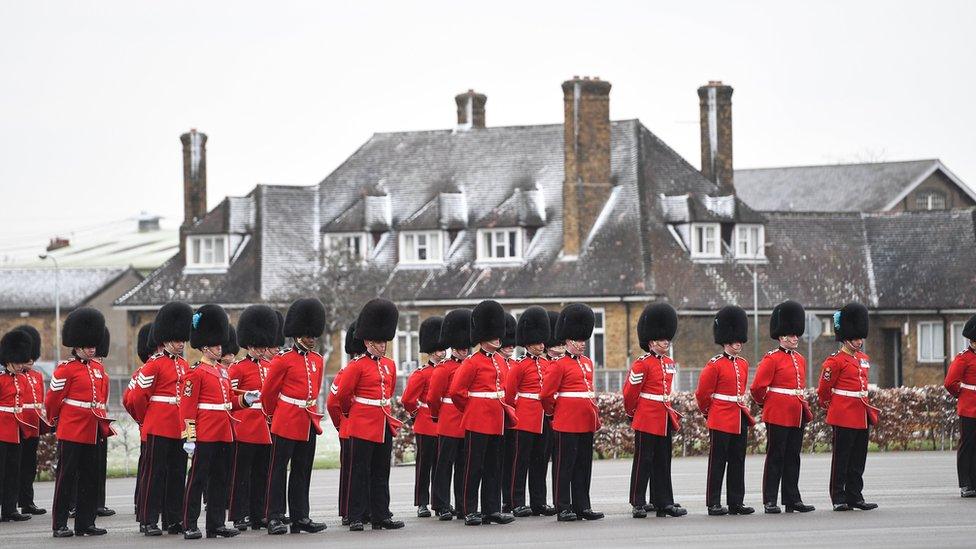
(919, 506)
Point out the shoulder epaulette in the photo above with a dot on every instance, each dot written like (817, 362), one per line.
(643, 356)
(716, 357)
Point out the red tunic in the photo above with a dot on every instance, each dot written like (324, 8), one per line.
(76, 399)
(32, 403)
(333, 408)
(523, 385)
(413, 400)
(447, 414)
(252, 427)
(478, 390)
(365, 396)
(567, 395)
(963, 370)
(787, 370)
(11, 387)
(155, 397)
(647, 395)
(843, 372)
(295, 375)
(208, 400)
(724, 375)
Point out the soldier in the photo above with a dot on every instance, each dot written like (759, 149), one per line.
(76, 401)
(568, 395)
(778, 387)
(290, 396)
(647, 400)
(206, 402)
(32, 403)
(365, 396)
(230, 348)
(456, 334)
(145, 349)
(960, 381)
(257, 330)
(155, 405)
(15, 353)
(424, 428)
(354, 349)
(554, 351)
(721, 397)
(522, 388)
(101, 353)
(843, 391)
(507, 351)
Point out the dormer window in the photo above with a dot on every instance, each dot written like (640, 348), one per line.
(500, 244)
(421, 247)
(207, 251)
(706, 240)
(930, 200)
(750, 241)
(354, 245)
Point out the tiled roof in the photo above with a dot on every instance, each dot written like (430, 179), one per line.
(33, 288)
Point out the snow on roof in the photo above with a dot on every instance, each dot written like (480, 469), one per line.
(33, 288)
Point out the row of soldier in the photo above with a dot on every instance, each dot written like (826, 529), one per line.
(491, 422)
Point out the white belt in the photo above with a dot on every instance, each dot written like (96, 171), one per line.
(224, 406)
(487, 394)
(576, 394)
(32, 406)
(530, 396)
(967, 386)
(447, 400)
(372, 401)
(297, 402)
(740, 399)
(656, 398)
(854, 394)
(164, 399)
(783, 391)
(10, 409)
(422, 404)
(256, 406)
(81, 404)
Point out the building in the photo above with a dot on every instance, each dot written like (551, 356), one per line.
(588, 210)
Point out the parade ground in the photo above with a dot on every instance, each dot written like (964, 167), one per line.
(919, 506)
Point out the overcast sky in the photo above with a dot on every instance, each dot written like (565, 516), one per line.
(94, 95)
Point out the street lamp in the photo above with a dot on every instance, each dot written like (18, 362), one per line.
(57, 306)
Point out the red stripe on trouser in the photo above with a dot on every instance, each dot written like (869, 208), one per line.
(708, 476)
(267, 492)
(349, 475)
(637, 461)
(186, 493)
(511, 490)
(559, 462)
(146, 482)
(57, 485)
(233, 478)
(833, 461)
(467, 472)
(416, 473)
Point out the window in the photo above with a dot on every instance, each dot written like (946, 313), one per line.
(206, 251)
(421, 247)
(930, 347)
(356, 245)
(705, 240)
(750, 241)
(958, 342)
(499, 244)
(595, 348)
(827, 329)
(930, 200)
(406, 351)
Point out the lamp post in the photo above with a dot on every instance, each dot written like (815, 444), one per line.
(57, 306)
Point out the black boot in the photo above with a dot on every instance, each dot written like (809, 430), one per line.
(91, 531)
(672, 511)
(104, 512)
(356, 526)
(150, 530)
(842, 507)
(306, 525)
(445, 514)
(472, 519)
(717, 510)
(967, 492)
(32, 510)
(771, 509)
(174, 529)
(740, 509)
(800, 507)
(864, 506)
(566, 515)
(638, 512)
(387, 524)
(15, 517)
(241, 525)
(222, 532)
(423, 512)
(650, 508)
(192, 533)
(498, 518)
(544, 510)
(522, 511)
(590, 514)
(276, 527)
(63, 532)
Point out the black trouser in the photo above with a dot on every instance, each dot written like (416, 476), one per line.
(783, 445)
(343, 477)
(9, 477)
(77, 463)
(426, 458)
(28, 471)
(572, 467)
(101, 453)
(450, 457)
(139, 471)
(727, 449)
(249, 481)
(966, 455)
(483, 471)
(651, 467)
(369, 478)
(528, 450)
(163, 477)
(508, 471)
(301, 454)
(539, 465)
(847, 465)
(208, 468)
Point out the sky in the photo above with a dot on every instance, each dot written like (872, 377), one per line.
(94, 95)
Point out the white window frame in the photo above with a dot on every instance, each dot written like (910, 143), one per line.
(408, 240)
(329, 241)
(937, 328)
(599, 328)
(827, 327)
(193, 243)
(511, 255)
(930, 197)
(697, 244)
(746, 230)
(957, 344)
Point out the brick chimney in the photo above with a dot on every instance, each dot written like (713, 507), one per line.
(715, 102)
(586, 154)
(194, 176)
(470, 110)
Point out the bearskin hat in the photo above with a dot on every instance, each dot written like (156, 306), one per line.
(851, 322)
(788, 318)
(430, 335)
(377, 320)
(210, 327)
(657, 321)
(84, 327)
(575, 322)
(969, 330)
(456, 329)
(487, 321)
(15, 347)
(532, 327)
(173, 323)
(257, 327)
(101, 350)
(231, 346)
(305, 318)
(511, 325)
(731, 325)
(145, 346)
(280, 336)
(553, 320)
(353, 345)
(35, 339)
